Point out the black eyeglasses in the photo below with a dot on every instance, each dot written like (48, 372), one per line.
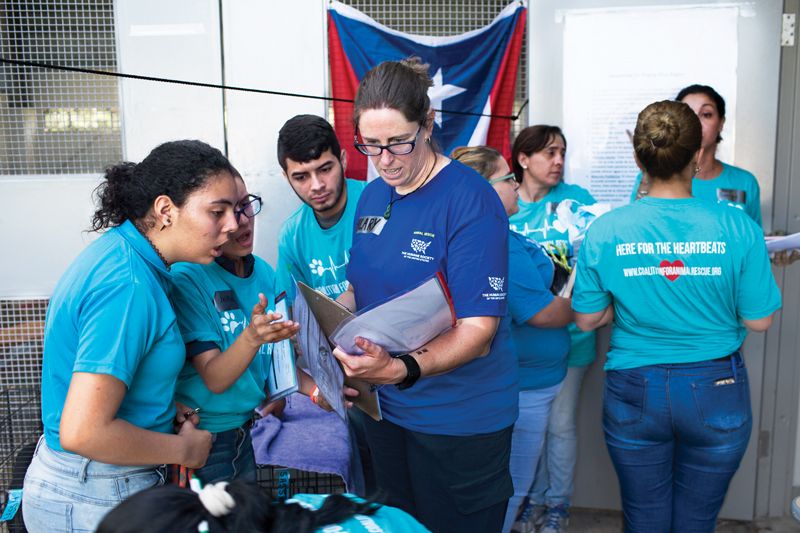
(250, 207)
(402, 148)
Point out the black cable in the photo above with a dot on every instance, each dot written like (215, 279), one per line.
(226, 87)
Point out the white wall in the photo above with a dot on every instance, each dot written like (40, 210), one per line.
(266, 45)
(280, 50)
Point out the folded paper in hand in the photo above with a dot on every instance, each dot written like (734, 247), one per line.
(403, 323)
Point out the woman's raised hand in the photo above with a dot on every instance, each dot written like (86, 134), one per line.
(268, 327)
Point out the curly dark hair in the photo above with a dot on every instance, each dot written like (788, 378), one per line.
(175, 169)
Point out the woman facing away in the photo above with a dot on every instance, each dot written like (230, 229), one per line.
(113, 350)
(682, 279)
(441, 451)
(539, 322)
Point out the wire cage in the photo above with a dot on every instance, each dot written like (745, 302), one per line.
(20, 428)
(283, 482)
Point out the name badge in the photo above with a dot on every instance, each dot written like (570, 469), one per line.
(732, 195)
(225, 301)
(372, 225)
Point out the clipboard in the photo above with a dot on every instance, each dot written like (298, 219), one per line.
(330, 313)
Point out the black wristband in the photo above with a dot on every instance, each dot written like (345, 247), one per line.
(412, 369)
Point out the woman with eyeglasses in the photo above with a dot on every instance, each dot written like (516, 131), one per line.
(112, 350)
(226, 314)
(538, 160)
(441, 451)
(539, 322)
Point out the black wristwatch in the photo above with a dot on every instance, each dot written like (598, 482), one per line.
(412, 369)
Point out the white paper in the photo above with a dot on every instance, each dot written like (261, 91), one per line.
(282, 379)
(317, 356)
(618, 61)
(402, 324)
(780, 244)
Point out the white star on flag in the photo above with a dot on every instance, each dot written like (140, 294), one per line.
(439, 92)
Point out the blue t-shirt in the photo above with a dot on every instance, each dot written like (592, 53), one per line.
(316, 256)
(214, 305)
(734, 186)
(681, 274)
(535, 221)
(385, 520)
(542, 352)
(455, 225)
(110, 314)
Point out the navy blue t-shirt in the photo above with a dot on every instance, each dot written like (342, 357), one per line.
(456, 225)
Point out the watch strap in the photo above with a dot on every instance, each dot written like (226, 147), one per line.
(412, 369)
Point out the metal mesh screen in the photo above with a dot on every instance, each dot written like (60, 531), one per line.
(21, 331)
(441, 18)
(54, 122)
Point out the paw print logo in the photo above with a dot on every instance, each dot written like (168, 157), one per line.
(420, 246)
(229, 322)
(497, 283)
(316, 267)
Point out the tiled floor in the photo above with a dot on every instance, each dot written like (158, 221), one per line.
(597, 521)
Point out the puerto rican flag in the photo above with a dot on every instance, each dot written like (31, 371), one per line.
(475, 72)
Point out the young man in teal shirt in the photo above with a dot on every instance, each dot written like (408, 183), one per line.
(314, 242)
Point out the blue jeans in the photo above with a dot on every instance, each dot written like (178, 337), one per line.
(676, 435)
(552, 485)
(526, 443)
(231, 457)
(66, 492)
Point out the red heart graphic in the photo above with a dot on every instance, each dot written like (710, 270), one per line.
(676, 264)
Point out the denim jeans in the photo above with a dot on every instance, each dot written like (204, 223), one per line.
(67, 492)
(231, 457)
(526, 444)
(552, 485)
(676, 435)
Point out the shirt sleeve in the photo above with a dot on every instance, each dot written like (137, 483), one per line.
(758, 295)
(286, 267)
(528, 293)
(754, 203)
(589, 295)
(477, 259)
(195, 320)
(116, 328)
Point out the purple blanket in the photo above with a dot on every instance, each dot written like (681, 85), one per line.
(306, 438)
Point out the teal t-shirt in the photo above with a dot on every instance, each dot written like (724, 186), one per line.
(318, 257)
(535, 221)
(681, 274)
(734, 186)
(110, 314)
(542, 352)
(214, 305)
(385, 520)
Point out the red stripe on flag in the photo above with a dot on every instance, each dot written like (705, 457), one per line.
(344, 84)
(503, 91)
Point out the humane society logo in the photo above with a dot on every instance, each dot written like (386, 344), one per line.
(497, 285)
(419, 247)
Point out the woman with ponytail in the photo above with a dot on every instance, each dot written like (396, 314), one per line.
(112, 346)
(682, 279)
